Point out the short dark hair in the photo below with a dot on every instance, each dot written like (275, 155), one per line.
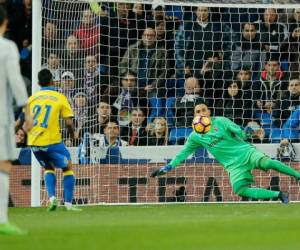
(273, 56)
(229, 83)
(244, 68)
(249, 23)
(111, 121)
(3, 15)
(45, 77)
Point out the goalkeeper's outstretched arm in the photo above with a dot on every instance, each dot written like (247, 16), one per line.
(189, 148)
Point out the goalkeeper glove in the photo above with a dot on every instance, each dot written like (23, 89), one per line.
(161, 171)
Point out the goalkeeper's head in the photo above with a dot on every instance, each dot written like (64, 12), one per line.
(45, 78)
(3, 20)
(201, 109)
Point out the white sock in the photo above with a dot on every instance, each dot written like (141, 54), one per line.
(68, 204)
(4, 187)
(52, 198)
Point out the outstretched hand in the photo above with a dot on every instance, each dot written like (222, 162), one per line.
(161, 171)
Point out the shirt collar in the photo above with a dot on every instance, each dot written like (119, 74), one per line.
(48, 88)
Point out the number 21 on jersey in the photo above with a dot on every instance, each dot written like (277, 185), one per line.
(37, 111)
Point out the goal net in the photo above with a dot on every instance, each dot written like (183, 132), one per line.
(133, 73)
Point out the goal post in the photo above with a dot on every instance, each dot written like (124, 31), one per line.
(129, 61)
(36, 66)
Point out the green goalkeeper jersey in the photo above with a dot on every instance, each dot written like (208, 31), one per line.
(225, 141)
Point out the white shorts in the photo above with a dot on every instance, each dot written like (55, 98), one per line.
(8, 151)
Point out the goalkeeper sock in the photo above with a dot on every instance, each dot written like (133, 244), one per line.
(4, 191)
(69, 183)
(50, 181)
(258, 193)
(268, 163)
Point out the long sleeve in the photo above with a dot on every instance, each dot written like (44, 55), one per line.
(125, 62)
(189, 148)
(15, 80)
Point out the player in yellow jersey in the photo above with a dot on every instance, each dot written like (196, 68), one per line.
(47, 106)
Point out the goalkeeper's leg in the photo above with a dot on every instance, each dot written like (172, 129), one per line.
(266, 163)
(261, 193)
(257, 193)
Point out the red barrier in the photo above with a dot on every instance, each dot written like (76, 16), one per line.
(131, 183)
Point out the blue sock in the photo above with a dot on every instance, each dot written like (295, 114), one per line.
(69, 183)
(50, 182)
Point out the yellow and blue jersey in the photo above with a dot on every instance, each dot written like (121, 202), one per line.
(47, 106)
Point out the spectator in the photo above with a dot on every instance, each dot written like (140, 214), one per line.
(88, 33)
(165, 27)
(135, 133)
(72, 56)
(158, 132)
(96, 123)
(291, 131)
(184, 106)
(25, 62)
(142, 16)
(294, 22)
(247, 50)
(161, 14)
(272, 82)
(122, 34)
(290, 51)
(104, 113)
(259, 135)
(21, 138)
(20, 21)
(103, 146)
(249, 88)
(92, 85)
(288, 101)
(54, 65)
(232, 105)
(272, 32)
(64, 12)
(244, 76)
(212, 78)
(125, 98)
(205, 40)
(51, 41)
(148, 62)
(180, 43)
(165, 39)
(81, 110)
(111, 137)
(67, 85)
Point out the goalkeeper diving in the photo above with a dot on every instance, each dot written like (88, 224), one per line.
(225, 140)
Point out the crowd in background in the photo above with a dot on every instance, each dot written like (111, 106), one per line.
(133, 72)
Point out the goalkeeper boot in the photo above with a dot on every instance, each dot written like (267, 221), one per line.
(52, 204)
(9, 229)
(284, 197)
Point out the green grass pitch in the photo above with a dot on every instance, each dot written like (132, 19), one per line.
(174, 227)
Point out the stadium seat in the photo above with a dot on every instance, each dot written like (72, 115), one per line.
(156, 105)
(169, 110)
(179, 135)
